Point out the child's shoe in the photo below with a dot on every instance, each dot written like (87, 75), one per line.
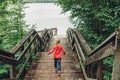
(59, 73)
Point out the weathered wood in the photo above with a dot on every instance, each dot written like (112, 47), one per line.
(20, 72)
(99, 70)
(5, 53)
(34, 40)
(54, 31)
(111, 38)
(21, 42)
(91, 70)
(88, 70)
(79, 49)
(31, 38)
(83, 69)
(84, 45)
(12, 71)
(118, 32)
(82, 65)
(105, 49)
(101, 54)
(116, 64)
(8, 60)
(25, 50)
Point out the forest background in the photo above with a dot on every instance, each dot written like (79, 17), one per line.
(96, 19)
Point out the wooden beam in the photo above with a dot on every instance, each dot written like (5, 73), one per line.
(116, 64)
(101, 54)
(12, 71)
(99, 70)
(82, 65)
(8, 60)
(5, 53)
(80, 49)
(25, 50)
(105, 42)
(85, 45)
(20, 43)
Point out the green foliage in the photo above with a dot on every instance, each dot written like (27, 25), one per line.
(100, 17)
(12, 27)
(78, 65)
(108, 64)
(4, 71)
(39, 1)
(34, 57)
(96, 19)
(107, 75)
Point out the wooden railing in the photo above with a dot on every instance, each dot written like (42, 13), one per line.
(21, 54)
(91, 61)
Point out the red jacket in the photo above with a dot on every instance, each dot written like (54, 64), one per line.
(58, 50)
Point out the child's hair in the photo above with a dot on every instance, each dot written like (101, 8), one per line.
(57, 41)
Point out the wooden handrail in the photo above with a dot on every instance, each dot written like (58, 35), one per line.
(86, 56)
(20, 43)
(8, 60)
(5, 53)
(21, 56)
(83, 42)
(106, 51)
(54, 30)
(25, 47)
(111, 38)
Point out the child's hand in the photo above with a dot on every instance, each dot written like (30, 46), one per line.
(64, 53)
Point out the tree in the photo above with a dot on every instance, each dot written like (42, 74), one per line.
(12, 27)
(40, 1)
(96, 19)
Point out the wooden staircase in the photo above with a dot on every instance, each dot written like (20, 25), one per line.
(43, 67)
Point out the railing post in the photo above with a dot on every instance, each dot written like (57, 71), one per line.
(35, 45)
(91, 71)
(99, 70)
(88, 70)
(12, 71)
(116, 65)
(41, 45)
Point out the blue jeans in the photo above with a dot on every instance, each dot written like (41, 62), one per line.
(57, 64)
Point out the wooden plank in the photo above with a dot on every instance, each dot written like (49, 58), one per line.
(5, 53)
(12, 71)
(80, 49)
(54, 31)
(25, 50)
(8, 60)
(101, 54)
(116, 64)
(118, 32)
(82, 65)
(85, 45)
(21, 42)
(105, 42)
(99, 70)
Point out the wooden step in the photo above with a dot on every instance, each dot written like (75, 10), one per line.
(43, 67)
